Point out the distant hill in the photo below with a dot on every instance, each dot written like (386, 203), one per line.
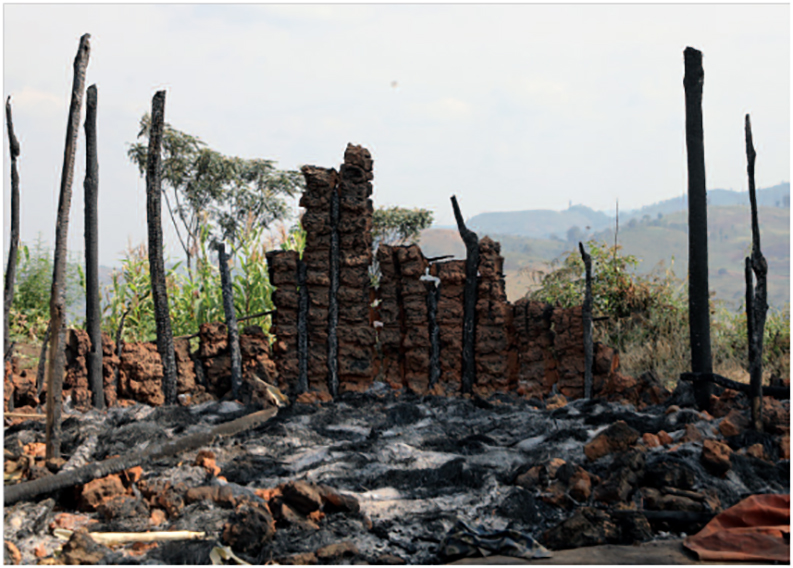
(539, 223)
(545, 223)
(655, 242)
(776, 196)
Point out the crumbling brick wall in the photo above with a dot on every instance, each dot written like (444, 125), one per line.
(527, 347)
(493, 322)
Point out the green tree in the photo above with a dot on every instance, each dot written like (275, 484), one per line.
(398, 225)
(202, 187)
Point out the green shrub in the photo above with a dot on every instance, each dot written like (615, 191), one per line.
(30, 309)
(646, 317)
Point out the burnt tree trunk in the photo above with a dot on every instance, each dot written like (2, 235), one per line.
(55, 367)
(756, 297)
(231, 320)
(698, 295)
(93, 315)
(469, 300)
(586, 315)
(156, 260)
(11, 270)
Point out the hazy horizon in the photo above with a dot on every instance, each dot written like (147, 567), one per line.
(509, 107)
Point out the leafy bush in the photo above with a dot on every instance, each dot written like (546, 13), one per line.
(30, 310)
(646, 317)
(191, 302)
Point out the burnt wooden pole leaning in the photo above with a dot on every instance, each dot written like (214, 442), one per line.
(469, 299)
(586, 315)
(756, 297)
(231, 320)
(93, 316)
(156, 260)
(8, 292)
(302, 328)
(698, 295)
(56, 361)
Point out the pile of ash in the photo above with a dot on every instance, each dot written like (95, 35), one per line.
(384, 477)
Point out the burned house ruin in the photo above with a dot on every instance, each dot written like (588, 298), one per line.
(407, 331)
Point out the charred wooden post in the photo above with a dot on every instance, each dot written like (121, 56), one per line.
(756, 297)
(432, 285)
(156, 260)
(698, 294)
(586, 314)
(469, 299)
(42, 368)
(93, 315)
(231, 320)
(170, 448)
(55, 368)
(11, 270)
(302, 328)
(333, 300)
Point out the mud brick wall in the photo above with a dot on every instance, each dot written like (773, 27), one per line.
(450, 321)
(321, 183)
(282, 269)
(404, 335)
(533, 342)
(356, 336)
(388, 320)
(493, 323)
(527, 347)
(568, 347)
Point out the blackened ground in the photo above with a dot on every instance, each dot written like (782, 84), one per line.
(415, 464)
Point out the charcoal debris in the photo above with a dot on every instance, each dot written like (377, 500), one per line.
(381, 476)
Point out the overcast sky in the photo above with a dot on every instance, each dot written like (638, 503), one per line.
(509, 107)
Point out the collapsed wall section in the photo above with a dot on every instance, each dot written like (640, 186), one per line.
(407, 332)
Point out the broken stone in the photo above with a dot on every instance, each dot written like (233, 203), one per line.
(123, 507)
(616, 438)
(11, 553)
(206, 459)
(82, 549)
(716, 457)
(99, 491)
(692, 434)
(733, 424)
(157, 517)
(586, 527)
(651, 440)
(334, 502)
(664, 438)
(556, 401)
(337, 550)
(249, 528)
(302, 496)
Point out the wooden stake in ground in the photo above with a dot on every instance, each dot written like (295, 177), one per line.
(586, 314)
(56, 362)
(11, 270)
(156, 257)
(231, 320)
(93, 315)
(469, 299)
(698, 294)
(756, 297)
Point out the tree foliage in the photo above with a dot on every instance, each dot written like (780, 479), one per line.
(398, 225)
(230, 196)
